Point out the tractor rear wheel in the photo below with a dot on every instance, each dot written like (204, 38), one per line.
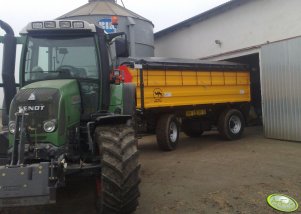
(118, 190)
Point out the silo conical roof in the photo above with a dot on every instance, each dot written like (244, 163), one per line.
(103, 7)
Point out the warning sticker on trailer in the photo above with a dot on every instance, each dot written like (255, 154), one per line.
(158, 94)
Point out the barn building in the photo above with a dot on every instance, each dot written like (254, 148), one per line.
(262, 33)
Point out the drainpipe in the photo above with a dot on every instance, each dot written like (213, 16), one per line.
(8, 68)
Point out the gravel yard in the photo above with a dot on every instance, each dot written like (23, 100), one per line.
(204, 175)
(208, 175)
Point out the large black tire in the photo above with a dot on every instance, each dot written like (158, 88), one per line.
(231, 124)
(167, 132)
(192, 128)
(119, 179)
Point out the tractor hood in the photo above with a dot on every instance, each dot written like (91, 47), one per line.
(49, 100)
(61, 85)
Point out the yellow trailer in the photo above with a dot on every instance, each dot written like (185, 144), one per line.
(193, 95)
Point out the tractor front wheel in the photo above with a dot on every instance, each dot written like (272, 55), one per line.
(118, 186)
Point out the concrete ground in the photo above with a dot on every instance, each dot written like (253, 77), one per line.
(204, 175)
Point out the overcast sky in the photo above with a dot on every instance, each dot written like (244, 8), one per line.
(163, 13)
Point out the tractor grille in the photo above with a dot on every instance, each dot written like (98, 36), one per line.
(41, 104)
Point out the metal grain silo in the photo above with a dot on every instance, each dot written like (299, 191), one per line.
(138, 29)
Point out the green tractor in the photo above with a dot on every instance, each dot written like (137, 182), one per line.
(73, 114)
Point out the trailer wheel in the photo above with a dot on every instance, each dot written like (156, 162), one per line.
(118, 186)
(167, 132)
(231, 124)
(192, 128)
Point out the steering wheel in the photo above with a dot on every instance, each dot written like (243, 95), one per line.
(66, 71)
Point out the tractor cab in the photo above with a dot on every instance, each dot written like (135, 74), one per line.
(64, 80)
(65, 50)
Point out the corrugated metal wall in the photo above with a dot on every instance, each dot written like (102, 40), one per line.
(281, 89)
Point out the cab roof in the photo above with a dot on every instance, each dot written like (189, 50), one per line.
(58, 25)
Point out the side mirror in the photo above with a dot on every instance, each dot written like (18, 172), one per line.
(120, 42)
(121, 47)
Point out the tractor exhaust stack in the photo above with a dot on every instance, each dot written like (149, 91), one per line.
(8, 68)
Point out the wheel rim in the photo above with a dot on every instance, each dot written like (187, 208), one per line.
(173, 132)
(235, 124)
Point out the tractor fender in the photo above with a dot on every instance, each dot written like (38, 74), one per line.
(113, 119)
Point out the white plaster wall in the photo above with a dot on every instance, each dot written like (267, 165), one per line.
(250, 24)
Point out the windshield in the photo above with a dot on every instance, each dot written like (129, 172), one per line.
(60, 58)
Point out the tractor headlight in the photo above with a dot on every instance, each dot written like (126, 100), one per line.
(37, 25)
(65, 24)
(49, 126)
(12, 127)
(78, 24)
(49, 24)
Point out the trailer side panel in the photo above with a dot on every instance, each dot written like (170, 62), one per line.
(172, 88)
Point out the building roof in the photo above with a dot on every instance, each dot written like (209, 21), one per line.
(201, 17)
(102, 7)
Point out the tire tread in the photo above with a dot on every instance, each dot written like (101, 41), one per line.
(120, 168)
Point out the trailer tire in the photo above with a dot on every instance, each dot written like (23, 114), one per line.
(118, 192)
(167, 132)
(231, 124)
(192, 128)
